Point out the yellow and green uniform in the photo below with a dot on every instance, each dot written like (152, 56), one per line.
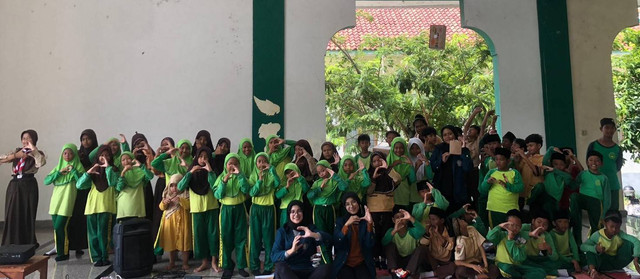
(100, 210)
(359, 183)
(130, 200)
(246, 161)
(485, 167)
(63, 197)
(407, 191)
(366, 160)
(262, 217)
(172, 165)
(296, 190)
(511, 255)
(611, 164)
(406, 244)
(421, 210)
(233, 216)
(594, 197)
(535, 257)
(501, 199)
(205, 212)
(323, 200)
(567, 249)
(619, 250)
(281, 157)
(124, 147)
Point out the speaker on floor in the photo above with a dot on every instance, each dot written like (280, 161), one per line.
(133, 248)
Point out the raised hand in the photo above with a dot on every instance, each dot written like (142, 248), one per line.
(195, 168)
(136, 163)
(445, 157)
(360, 165)
(599, 248)
(235, 170)
(336, 158)
(183, 163)
(104, 162)
(92, 170)
(353, 220)
(367, 215)
(123, 139)
(207, 167)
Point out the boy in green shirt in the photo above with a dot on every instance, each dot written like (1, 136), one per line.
(612, 157)
(610, 248)
(568, 255)
(404, 253)
(364, 141)
(488, 145)
(594, 196)
(502, 185)
(511, 248)
(431, 198)
(540, 248)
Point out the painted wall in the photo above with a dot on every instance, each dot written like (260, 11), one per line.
(163, 68)
(512, 27)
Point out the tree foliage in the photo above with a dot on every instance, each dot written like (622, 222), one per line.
(375, 91)
(626, 83)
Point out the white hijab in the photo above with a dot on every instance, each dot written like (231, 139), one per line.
(420, 175)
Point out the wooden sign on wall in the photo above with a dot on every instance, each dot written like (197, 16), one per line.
(437, 36)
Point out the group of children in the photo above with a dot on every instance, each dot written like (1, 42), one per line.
(434, 200)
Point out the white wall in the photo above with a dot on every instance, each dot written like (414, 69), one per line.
(512, 25)
(163, 68)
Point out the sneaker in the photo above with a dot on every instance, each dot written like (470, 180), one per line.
(79, 252)
(256, 272)
(401, 273)
(227, 273)
(51, 252)
(243, 273)
(98, 263)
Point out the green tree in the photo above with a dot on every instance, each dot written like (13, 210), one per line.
(626, 83)
(383, 90)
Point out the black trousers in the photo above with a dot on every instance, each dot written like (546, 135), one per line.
(283, 271)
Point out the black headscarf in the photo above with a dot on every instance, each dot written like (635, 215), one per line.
(84, 152)
(290, 224)
(305, 144)
(170, 139)
(200, 179)
(207, 135)
(354, 196)
(135, 139)
(384, 183)
(218, 160)
(100, 179)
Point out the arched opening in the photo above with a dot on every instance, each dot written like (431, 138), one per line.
(380, 74)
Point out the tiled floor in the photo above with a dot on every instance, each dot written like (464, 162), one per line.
(81, 267)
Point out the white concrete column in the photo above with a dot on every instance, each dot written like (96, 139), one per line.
(512, 26)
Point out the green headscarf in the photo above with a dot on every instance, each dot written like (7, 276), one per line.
(324, 163)
(232, 189)
(344, 175)
(173, 165)
(135, 175)
(115, 155)
(292, 167)
(280, 154)
(246, 162)
(403, 168)
(267, 178)
(75, 162)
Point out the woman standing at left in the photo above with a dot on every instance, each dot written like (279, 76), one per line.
(22, 193)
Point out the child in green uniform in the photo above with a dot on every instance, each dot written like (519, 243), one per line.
(247, 154)
(431, 197)
(511, 248)
(364, 141)
(610, 248)
(132, 179)
(541, 249)
(231, 187)
(279, 154)
(262, 217)
(556, 179)
(117, 147)
(358, 180)
(594, 196)
(568, 255)
(612, 157)
(419, 160)
(404, 252)
(491, 142)
(64, 178)
(175, 160)
(200, 179)
(502, 186)
(293, 190)
(471, 217)
(398, 160)
(101, 204)
(323, 195)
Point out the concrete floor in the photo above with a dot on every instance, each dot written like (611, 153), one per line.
(81, 267)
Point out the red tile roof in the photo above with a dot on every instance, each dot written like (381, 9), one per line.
(392, 22)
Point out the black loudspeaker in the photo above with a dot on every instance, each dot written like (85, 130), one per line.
(133, 248)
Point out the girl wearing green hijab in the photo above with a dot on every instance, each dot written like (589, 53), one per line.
(324, 195)
(279, 155)
(293, 190)
(247, 154)
(64, 177)
(231, 187)
(262, 216)
(131, 182)
(175, 160)
(398, 160)
(358, 180)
